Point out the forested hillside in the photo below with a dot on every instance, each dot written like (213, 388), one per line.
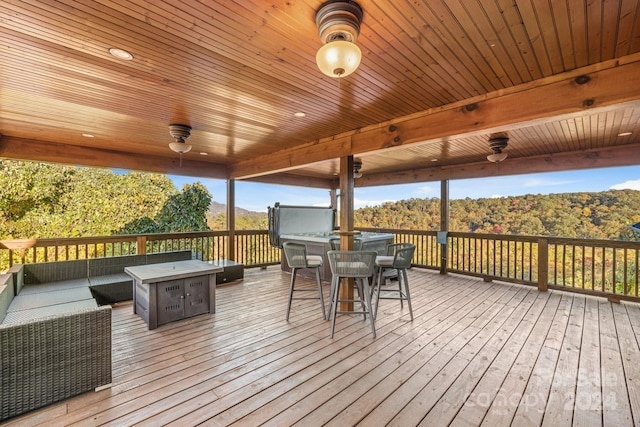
(40, 200)
(603, 215)
(245, 219)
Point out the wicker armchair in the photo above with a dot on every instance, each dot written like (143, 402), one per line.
(53, 358)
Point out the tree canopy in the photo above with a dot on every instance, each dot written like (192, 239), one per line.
(598, 215)
(245, 221)
(40, 200)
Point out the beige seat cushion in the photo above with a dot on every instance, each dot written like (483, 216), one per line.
(384, 260)
(314, 260)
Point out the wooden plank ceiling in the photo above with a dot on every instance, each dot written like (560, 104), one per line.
(437, 79)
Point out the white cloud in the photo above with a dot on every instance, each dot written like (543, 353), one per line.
(425, 190)
(537, 182)
(627, 185)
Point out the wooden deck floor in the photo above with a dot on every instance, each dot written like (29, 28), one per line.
(476, 354)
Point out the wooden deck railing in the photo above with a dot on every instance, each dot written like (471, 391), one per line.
(428, 251)
(254, 249)
(503, 257)
(250, 247)
(600, 267)
(606, 267)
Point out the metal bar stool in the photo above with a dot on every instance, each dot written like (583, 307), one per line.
(397, 260)
(358, 265)
(297, 258)
(334, 242)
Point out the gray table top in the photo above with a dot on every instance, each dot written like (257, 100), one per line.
(161, 272)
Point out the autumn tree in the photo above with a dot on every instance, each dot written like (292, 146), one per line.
(40, 200)
(603, 215)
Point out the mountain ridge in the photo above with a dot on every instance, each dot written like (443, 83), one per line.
(216, 208)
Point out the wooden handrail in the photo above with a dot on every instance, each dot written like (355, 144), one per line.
(599, 267)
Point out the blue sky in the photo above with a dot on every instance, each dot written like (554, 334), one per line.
(257, 197)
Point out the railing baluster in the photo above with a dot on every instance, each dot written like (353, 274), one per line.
(496, 259)
(614, 272)
(625, 282)
(530, 262)
(637, 261)
(604, 273)
(510, 250)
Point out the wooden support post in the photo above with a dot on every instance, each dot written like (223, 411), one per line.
(346, 222)
(444, 222)
(231, 220)
(141, 245)
(543, 264)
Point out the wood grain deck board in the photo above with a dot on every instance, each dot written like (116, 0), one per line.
(327, 384)
(454, 397)
(431, 361)
(476, 353)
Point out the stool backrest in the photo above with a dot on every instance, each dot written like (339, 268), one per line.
(352, 263)
(403, 256)
(392, 248)
(335, 244)
(296, 254)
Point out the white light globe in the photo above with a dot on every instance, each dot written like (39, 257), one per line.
(180, 147)
(338, 58)
(497, 157)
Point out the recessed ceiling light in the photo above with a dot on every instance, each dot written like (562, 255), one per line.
(299, 114)
(202, 153)
(434, 160)
(625, 133)
(120, 54)
(87, 135)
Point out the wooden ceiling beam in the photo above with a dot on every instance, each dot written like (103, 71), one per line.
(32, 150)
(294, 180)
(625, 155)
(608, 84)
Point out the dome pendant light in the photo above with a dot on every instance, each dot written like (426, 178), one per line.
(180, 133)
(357, 165)
(338, 58)
(497, 144)
(339, 26)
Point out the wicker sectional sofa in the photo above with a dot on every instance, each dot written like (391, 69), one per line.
(47, 359)
(55, 327)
